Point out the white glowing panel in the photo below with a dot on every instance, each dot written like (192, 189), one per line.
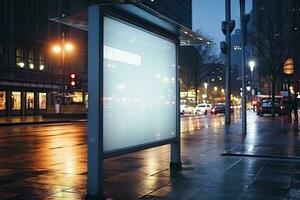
(139, 87)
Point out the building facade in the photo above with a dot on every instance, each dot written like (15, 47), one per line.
(33, 79)
(31, 76)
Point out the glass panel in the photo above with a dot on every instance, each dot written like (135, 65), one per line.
(41, 61)
(31, 59)
(77, 97)
(86, 100)
(42, 101)
(2, 100)
(29, 100)
(139, 87)
(19, 57)
(16, 100)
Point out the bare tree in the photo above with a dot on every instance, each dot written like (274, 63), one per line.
(270, 43)
(198, 63)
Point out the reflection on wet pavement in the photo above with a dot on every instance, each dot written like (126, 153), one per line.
(49, 162)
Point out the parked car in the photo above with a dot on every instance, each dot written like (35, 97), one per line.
(203, 108)
(220, 108)
(265, 107)
(185, 109)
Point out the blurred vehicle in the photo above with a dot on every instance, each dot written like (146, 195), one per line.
(203, 108)
(265, 107)
(220, 108)
(258, 99)
(185, 109)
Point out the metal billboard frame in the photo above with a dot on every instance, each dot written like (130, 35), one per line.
(96, 155)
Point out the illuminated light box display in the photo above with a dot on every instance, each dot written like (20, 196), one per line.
(139, 87)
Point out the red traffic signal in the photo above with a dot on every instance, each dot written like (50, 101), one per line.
(73, 80)
(73, 76)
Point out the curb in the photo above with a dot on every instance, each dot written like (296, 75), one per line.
(260, 156)
(41, 122)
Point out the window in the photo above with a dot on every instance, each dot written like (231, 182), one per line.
(20, 57)
(42, 101)
(41, 61)
(2, 100)
(77, 97)
(31, 59)
(86, 100)
(29, 100)
(15, 100)
(1, 53)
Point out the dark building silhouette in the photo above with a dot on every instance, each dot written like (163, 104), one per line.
(31, 75)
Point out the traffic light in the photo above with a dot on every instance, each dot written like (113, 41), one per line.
(73, 80)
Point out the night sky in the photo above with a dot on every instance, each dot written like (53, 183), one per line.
(208, 14)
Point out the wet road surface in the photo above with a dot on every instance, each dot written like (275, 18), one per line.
(49, 162)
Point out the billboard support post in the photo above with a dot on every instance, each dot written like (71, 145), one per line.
(95, 115)
(175, 146)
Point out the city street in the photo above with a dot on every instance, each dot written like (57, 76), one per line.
(49, 162)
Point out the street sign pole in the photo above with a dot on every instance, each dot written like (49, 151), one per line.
(227, 28)
(244, 93)
(228, 62)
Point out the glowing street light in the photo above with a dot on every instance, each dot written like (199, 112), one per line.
(56, 49)
(215, 88)
(252, 65)
(69, 47)
(248, 88)
(205, 85)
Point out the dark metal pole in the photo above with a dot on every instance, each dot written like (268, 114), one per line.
(289, 98)
(175, 163)
(243, 29)
(228, 61)
(63, 54)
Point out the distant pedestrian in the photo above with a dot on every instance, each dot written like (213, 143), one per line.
(295, 107)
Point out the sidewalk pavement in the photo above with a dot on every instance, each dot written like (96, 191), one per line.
(52, 165)
(27, 120)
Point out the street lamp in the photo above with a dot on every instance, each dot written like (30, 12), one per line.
(205, 85)
(252, 65)
(63, 49)
(248, 88)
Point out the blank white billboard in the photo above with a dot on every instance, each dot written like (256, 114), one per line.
(139, 105)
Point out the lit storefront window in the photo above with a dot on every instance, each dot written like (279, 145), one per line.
(41, 61)
(86, 100)
(20, 57)
(29, 100)
(2, 100)
(42, 101)
(77, 97)
(16, 100)
(31, 59)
